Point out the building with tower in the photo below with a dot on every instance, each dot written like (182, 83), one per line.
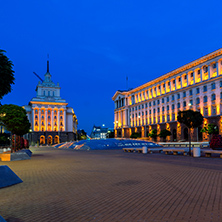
(52, 121)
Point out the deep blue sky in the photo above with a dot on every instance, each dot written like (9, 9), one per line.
(93, 45)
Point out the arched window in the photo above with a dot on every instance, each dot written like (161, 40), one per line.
(49, 112)
(205, 99)
(36, 117)
(36, 123)
(36, 111)
(55, 117)
(42, 117)
(61, 117)
(198, 101)
(184, 104)
(213, 97)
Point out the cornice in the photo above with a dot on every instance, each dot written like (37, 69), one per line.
(179, 70)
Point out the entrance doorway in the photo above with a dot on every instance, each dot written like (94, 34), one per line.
(174, 135)
(185, 133)
(56, 139)
(49, 140)
(42, 140)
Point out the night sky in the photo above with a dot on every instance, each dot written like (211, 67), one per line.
(94, 45)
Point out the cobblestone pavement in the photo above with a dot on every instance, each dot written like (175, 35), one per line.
(67, 185)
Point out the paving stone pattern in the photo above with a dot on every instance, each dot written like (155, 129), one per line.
(67, 185)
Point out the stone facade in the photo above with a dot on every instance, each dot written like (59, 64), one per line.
(155, 104)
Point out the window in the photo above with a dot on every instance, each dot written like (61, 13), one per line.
(154, 111)
(42, 117)
(185, 77)
(191, 102)
(205, 99)
(173, 107)
(213, 97)
(48, 93)
(149, 104)
(172, 97)
(36, 111)
(179, 79)
(191, 92)
(142, 106)
(214, 66)
(184, 94)
(221, 95)
(213, 86)
(163, 109)
(178, 105)
(206, 111)
(174, 81)
(184, 104)
(135, 107)
(42, 111)
(162, 100)
(139, 107)
(49, 112)
(198, 71)
(168, 84)
(205, 88)
(178, 96)
(36, 117)
(198, 101)
(168, 108)
(154, 103)
(214, 110)
(191, 74)
(163, 118)
(158, 102)
(220, 83)
(205, 69)
(55, 112)
(150, 112)
(48, 117)
(168, 117)
(146, 105)
(158, 109)
(168, 99)
(197, 90)
(146, 113)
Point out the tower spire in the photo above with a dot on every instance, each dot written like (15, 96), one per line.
(48, 63)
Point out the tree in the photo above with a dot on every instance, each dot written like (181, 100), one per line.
(15, 120)
(153, 134)
(191, 119)
(6, 74)
(135, 135)
(164, 133)
(210, 129)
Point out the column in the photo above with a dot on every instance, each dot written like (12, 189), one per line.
(46, 120)
(39, 119)
(64, 121)
(217, 68)
(33, 119)
(52, 123)
(201, 73)
(58, 114)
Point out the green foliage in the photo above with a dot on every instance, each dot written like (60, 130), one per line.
(153, 134)
(190, 118)
(210, 129)
(6, 74)
(135, 135)
(14, 118)
(164, 133)
(110, 134)
(4, 139)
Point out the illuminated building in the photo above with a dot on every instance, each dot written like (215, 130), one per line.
(51, 120)
(155, 104)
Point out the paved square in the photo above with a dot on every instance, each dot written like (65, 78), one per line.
(67, 185)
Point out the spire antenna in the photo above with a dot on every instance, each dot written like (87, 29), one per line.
(48, 63)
